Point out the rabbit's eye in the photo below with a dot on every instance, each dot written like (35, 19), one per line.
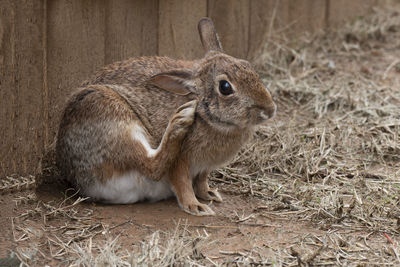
(225, 87)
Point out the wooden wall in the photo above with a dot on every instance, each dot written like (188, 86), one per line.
(48, 47)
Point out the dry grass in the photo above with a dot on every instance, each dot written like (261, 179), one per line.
(330, 159)
(10, 184)
(75, 245)
(50, 242)
(179, 248)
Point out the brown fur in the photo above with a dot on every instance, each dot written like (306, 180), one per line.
(94, 139)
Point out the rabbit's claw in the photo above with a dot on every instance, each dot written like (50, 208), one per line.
(210, 194)
(198, 209)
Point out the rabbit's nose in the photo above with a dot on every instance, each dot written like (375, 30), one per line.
(269, 112)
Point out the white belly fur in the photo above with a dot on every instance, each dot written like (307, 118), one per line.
(129, 187)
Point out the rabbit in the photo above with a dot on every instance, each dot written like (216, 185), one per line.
(150, 128)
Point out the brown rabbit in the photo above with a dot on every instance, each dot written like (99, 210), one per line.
(151, 127)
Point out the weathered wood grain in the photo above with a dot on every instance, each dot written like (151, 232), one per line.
(75, 49)
(231, 19)
(340, 11)
(131, 29)
(305, 16)
(177, 28)
(21, 91)
(267, 17)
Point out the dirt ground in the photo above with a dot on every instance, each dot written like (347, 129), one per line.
(233, 229)
(318, 186)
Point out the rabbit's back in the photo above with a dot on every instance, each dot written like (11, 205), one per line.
(135, 71)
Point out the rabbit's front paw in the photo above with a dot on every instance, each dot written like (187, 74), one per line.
(209, 194)
(183, 119)
(198, 209)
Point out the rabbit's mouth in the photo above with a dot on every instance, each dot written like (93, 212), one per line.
(266, 116)
(262, 115)
(263, 118)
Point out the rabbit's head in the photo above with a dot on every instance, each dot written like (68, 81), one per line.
(229, 92)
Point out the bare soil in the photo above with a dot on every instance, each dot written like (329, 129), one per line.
(237, 228)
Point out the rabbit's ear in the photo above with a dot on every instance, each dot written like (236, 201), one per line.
(178, 82)
(208, 35)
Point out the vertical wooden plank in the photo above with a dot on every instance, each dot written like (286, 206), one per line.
(282, 16)
(29, 73)
(131, 29)
(21, 86)
(177, 29)
(7, 84)
(45, 111)
(75, 49)
(231, 19)
(267, 17)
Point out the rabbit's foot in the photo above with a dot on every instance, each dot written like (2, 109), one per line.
(198, 209)
(209, 194)
(182, 120)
